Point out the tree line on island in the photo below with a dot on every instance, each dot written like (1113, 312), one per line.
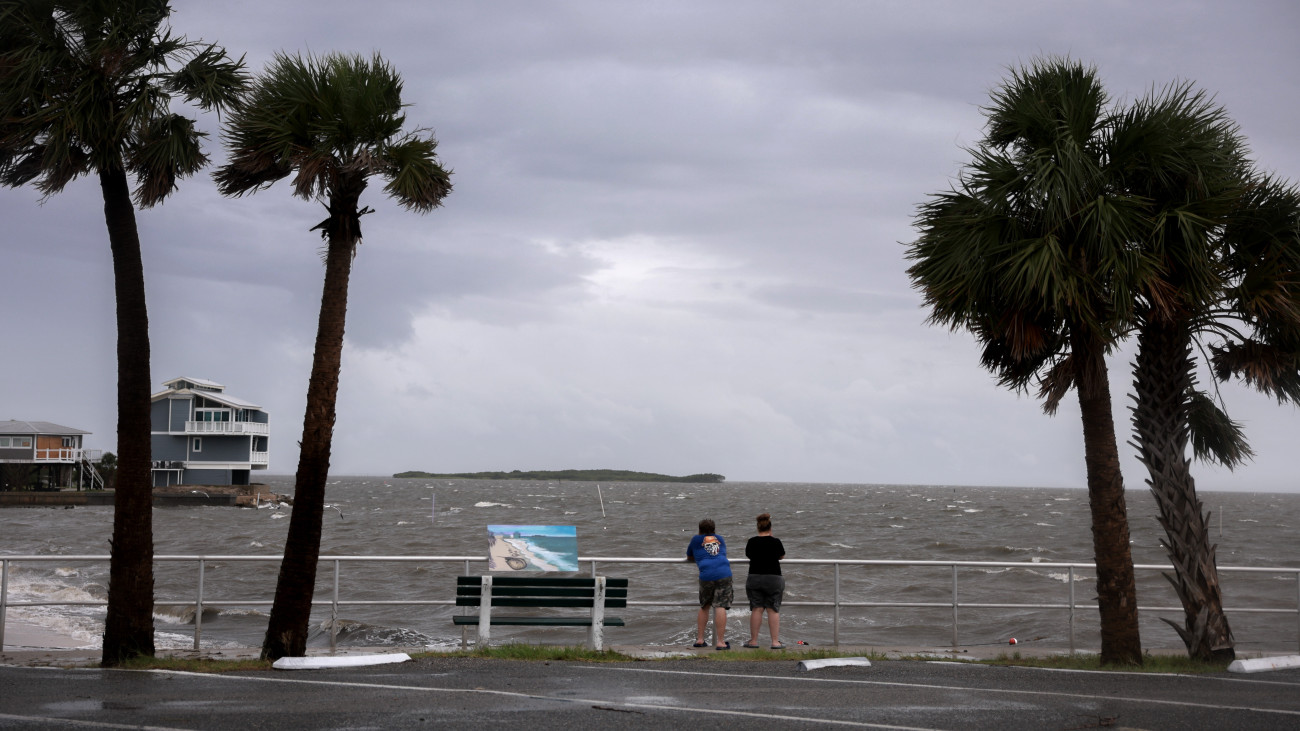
(574, 475)
(1078, 223)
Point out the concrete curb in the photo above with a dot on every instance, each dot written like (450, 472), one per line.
(339, 661)
(1264, 664)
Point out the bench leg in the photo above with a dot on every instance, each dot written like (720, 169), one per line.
(596, 635)
(485, 613)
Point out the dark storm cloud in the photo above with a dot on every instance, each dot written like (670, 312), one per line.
(674, 242)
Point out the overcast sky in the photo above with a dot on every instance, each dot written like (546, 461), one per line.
(675, 242)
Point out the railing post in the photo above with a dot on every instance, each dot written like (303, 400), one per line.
(4, 598)
(835, 625)
(593, 569)
(198, 608)
(485, 613)
(464, 629)
(1071, 579)
(954, 606)
(334, 610)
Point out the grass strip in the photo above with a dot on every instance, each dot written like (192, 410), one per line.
(1087, 661)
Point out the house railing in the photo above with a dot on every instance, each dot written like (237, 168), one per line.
(260, 458)
(226, 427)
(1071, 605)
(68, 455)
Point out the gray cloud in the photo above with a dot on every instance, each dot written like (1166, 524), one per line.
(674, 242)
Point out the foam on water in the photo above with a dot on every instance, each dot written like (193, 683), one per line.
(656, 520)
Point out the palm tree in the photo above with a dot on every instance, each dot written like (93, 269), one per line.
(85, 88)
(1182, 155)
(335, 121)
(1030, 252)
(1226, 246)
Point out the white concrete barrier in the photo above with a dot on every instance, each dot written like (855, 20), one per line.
(338, 661)
(833, 662)
(1264, 664)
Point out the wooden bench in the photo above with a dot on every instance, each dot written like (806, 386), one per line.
(595, 593)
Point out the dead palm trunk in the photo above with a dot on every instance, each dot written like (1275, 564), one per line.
(286, 633)
(1162, 381)
(1116, 589)
(128, 626)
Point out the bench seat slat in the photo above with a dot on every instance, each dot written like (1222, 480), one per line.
(539, 621)
(473, 591)
(541, 581)
(534, 602)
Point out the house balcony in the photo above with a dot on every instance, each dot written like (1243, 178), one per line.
(260, 458)
(226, 427)
(68, 455)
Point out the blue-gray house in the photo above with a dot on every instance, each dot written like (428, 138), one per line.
(204, 436)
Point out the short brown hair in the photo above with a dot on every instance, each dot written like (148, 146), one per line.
(764, 522)
(707, 527)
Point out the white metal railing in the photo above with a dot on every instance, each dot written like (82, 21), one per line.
(260, 458)
(68, 454)
(1071, 605)
(226, 427)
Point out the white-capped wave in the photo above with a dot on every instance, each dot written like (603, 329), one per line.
(485, 504)
(1064, 577)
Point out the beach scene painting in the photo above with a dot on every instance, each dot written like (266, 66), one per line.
(532, 548)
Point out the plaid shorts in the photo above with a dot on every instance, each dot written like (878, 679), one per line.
(717, 593)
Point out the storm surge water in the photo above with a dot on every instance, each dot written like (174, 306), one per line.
(396, 517)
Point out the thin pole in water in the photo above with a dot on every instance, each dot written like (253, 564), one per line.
(602, 500)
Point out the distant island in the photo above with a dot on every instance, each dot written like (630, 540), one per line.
(575, 475)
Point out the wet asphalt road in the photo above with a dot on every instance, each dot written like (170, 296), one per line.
(461, 693)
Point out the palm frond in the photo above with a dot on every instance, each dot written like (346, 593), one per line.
(210, 79)
(163, 152)
(1214, 436)
(1267, 367)
(415, 179)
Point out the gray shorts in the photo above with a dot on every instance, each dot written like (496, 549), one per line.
(717, 593)
(765, 590)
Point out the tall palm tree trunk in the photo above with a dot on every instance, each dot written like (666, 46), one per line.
(1121, 643)
(286, 632)
(128, 627)
(1162, 381)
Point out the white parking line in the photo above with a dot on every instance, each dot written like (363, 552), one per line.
(887, 683)
(531, 696)
(53, 721)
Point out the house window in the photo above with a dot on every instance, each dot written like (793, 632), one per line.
(4, 442)
(20, 442)
(212, 415)
(198, 444)
(69, 442)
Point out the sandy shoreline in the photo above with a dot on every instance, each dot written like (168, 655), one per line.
(504, 548)
(21, 635)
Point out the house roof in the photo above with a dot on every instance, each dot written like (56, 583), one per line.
(195, 381)
(218, 396)
(36, 427)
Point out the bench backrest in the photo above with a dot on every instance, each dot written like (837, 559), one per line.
(520, 591)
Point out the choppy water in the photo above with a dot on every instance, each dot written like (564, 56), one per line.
(396, 517)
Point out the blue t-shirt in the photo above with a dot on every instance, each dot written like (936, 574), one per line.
(710, 554)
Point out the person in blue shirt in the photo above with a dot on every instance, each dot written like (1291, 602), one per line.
(708, 551)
